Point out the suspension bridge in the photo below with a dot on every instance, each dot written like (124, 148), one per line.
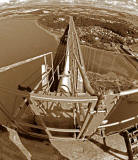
(64, 104)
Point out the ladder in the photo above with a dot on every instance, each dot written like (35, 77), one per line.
(130, 136)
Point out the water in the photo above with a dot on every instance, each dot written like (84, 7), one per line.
(21, 39)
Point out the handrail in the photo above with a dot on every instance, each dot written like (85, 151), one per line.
(63, 98)
(117, 123)
(127, 92)
(3, 69)
(123, 93)
(49, 128)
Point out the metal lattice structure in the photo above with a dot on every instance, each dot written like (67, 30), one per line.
(64, 88)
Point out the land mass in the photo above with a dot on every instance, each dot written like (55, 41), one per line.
(97, 28)
(104, 30)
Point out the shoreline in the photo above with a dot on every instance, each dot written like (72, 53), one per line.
(47, 31)
(56, 37)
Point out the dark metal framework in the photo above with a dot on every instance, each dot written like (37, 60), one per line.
(88, 110)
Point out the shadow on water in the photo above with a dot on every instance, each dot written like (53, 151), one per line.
(27, 75)
(25, 40)
(109, 150)
(18, 147)
(22, 43)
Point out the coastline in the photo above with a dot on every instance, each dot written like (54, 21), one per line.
(47, 31)
(86, 150)
(97, 50)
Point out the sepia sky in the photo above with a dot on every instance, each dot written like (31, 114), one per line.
(72, 1)
(127, 4)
